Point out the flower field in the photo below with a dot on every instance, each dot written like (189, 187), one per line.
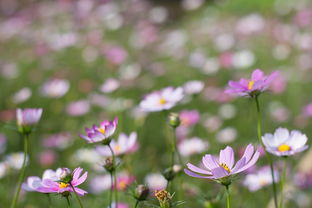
(145, 103)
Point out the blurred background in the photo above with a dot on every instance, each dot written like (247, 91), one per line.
(84, 61)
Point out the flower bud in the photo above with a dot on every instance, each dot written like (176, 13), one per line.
(174, 120)
(141, 192)
(163, 197)
(169, 174)
(109, 164)
(27, 119)
(65, 175)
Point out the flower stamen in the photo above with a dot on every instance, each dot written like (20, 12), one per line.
(225, 167)
(283, 148)
(102, 130)
(250, 84)
(63, 185)
(162, 101)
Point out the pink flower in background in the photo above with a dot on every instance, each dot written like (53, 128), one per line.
(119, 205)
(100, 183)
(110, 85)
(307, 110)
(47, 157)
(115, 54)
(59, 140)
(285, 143)
(78, 108)
(223, 167)
(125, 144)
(189, 117)
(101, 133)
(3, 143)
(226, 59)
(257, 84)
(55, 88)
(304, 17)
(28, 118)
(193, 87)
(192, 146)
(164, 99)
(123, 181)
(279, 85)
(303, 180)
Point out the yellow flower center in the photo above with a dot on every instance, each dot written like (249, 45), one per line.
(162, 101)
(102, 130)
(250, 84)
(263, 182)
(117, 148)
(122, 185)
(63, 185)
(225, 167)
(283, 148)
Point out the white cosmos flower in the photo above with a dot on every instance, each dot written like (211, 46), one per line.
(285, 143)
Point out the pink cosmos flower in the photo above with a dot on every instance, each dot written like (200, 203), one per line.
(50, 184)
(307, 110)
(222, 168)
(253, 87)
(55, 88)
(27, 118)
(285, 143)
(189, 117)
(101, 133)
(125, 144)
(164, 99)
(123, 181)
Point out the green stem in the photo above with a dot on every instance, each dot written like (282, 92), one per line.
(68, 202)
(49, 199)
(228, 200)
(114, 176)
(176, 150)
(283, 183)
(76, 195)
(111, 190)
(136, 204)
(266, 153)
(22, 173)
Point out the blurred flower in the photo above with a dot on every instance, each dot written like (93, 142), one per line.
(192, 146)
(260, 179)
(303, 180)
(164, 99)
(303, 17)
(243, 59)
(15, 160)
(55, 88)
(279, 85)
(141, 192)
(222, 168)
(250, 24)
(22, 95)
(227, 111)
(63, 187)
(115, 54)
(125, 144)
(285, 143)
(189, 117)
(59, 140)
(307, 110)
(123, 181)
(78, 108)
(85, 155)
(253, 87)
(101, 133)
(155, 181)
(192, 4)
(119, 205)
(226, 135)
(193, 87)
(213, 123)
(110, 85)
(100, 183)
(3, 142)
(27, 118)
(47, 157)
(3, 169)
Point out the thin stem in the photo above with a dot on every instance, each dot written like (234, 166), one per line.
(111, 190)
(176, 150)
(136, 204)
(68, 202)
(22, 173)
(76, 195)
(266, 153)
(228, 200)
(283, 183)
(49, 199)
(114, 176)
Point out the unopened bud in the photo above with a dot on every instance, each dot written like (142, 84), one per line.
(65, 175)
(109, 164)
(164, 198)
(174, 120)
(141, 192)
(169, 174)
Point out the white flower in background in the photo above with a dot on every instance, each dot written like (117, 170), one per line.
(164, 99)
(193, 87)
(55, 88)
(250, 24)
(87, 156)
(260, 179)
(192, 4)
(243, 59)
(125, 144)
(285, 143)
(192, 146)
(110, 85)
(78, 108)
(15, 160)
(22, 95)
(100, 183)
(3, 169)
(227, 111)
(155, 181)
(226, 135)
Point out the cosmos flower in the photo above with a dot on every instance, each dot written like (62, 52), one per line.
(193, 87)
(253, 87)
(260, 179)
(101, 133)
(192, 146)
(222, 168)
(125, 144)
(15, 160)
(56, 184)
(189, 117)
(285, 143)
(55, 88)
(27, 118)
(123, 181)
(164, 99)
(156, 181)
